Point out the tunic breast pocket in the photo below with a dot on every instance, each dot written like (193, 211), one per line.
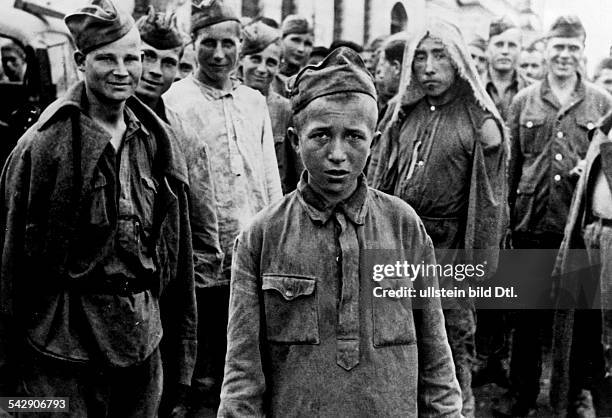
(532, 136)
(392, 317)
(291, 309)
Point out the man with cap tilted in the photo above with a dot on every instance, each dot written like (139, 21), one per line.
(96, 219)
(306, 336)
(233, 120)
(260, 61)
(162, 46)
(502, 79)
(549, 123)
(297, 42)
(443, 151)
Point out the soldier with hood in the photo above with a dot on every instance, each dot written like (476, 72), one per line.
(443, 151)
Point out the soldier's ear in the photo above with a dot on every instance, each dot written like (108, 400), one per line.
(294, 139)
(79, 58)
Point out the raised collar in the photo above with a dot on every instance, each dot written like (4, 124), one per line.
(169, 160)
(354, 207)
(578, 94)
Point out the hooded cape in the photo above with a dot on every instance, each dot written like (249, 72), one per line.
(487, 212)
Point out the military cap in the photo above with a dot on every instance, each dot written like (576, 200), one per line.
(295, 24)
(210, 12)
(479, 42)
(257, 36)
(342, 71)
(97, 24)
(500, 25)
(160, 30)
(567, 26)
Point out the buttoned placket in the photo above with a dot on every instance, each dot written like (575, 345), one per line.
(347, 335)
(232, 139)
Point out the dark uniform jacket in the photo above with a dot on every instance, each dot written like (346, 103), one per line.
(45, 289)
(548, 140)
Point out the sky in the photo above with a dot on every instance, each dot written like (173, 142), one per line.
(596, 16)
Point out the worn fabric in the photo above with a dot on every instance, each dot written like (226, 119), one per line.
(133, 391)
(582, 233)
(210, 12)
(449, 163)
(160, 30)
(207, 253)
(279, 85)
(500, 25)
(342, 71)
(503, 99)
(236, 127)
(295, 24)
(306, 336)
(256, 37)
(548, 140)
(567, 26)
(47, 239)
(97, 24)
(290, 164)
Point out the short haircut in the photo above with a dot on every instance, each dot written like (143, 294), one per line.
(394, 49)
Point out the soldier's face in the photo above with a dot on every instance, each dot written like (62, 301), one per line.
(159, 68)
(333, 136)
(531, 64)
(260, 68)
(563, 56)
(112, 72)
(433, 67)
(297, 48)
(479, 58)
(605, 79)
(217, 50)
(503, 50)
(13, 65)
(387, 76)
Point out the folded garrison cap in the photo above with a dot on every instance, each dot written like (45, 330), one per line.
(160, 30)
(500, 25)
(568, 26)
(210, 12)
(98, 24)
(257, 36)
(479, 42)
(295, 24)
(342, 71)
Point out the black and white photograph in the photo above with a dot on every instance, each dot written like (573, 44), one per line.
(306, 208)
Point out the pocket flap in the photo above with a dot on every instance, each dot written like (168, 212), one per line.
(526, 187)
(585, 122)
(531, 121)
(289, 287)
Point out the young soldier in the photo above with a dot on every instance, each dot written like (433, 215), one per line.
(260, 62)
(442, 151)
(233, 121)
(503, 80)
(306, 336)
(96, 221)
(162, 46)
(549, 122)
(297, 42)
(603, 74)
(531, 64)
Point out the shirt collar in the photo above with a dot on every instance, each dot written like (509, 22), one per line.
(517, 81)
(354, 207)
(577, 95)
(214, 93)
